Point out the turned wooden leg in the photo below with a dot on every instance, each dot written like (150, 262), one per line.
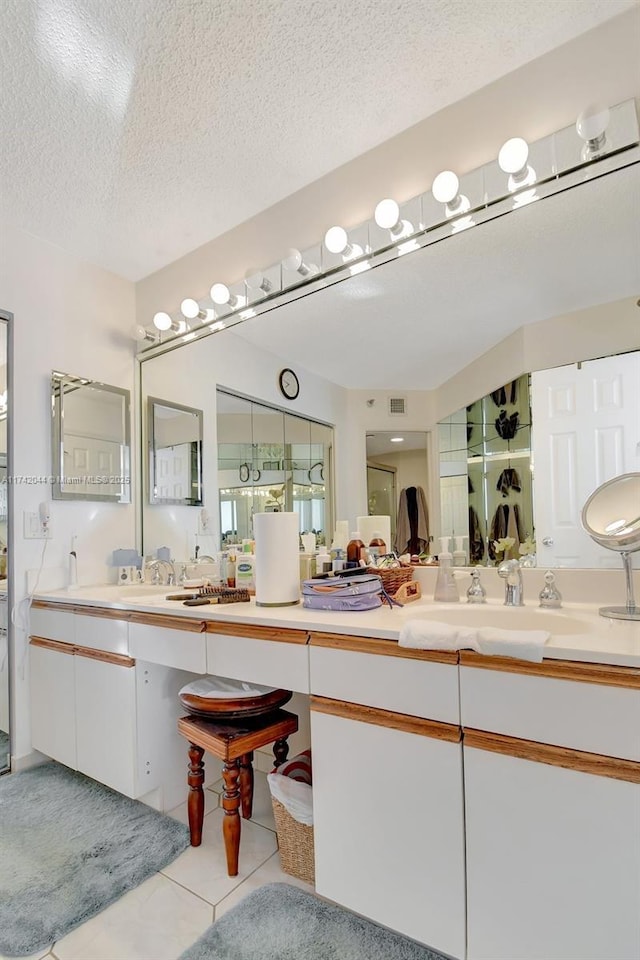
(280, 751)
(231, 823)
(246, 784)
(195, 801)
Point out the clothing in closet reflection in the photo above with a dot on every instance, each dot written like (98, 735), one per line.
(507, 522)
(412, 524)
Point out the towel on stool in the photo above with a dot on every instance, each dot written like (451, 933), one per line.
(434, 635)
(524, 644)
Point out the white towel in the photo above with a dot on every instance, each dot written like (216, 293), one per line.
(434, 635)
(524, 644)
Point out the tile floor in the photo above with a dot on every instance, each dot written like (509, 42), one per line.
(167, 913)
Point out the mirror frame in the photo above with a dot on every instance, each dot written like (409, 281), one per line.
(150, 464)
(58, 382)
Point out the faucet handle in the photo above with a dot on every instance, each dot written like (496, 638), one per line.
(550, 596)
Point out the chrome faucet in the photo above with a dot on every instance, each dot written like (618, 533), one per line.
(511, 573)
(156, 577)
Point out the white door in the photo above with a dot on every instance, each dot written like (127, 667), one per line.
(91, 466)
(586, 429)
(388, 828)
(173, 472)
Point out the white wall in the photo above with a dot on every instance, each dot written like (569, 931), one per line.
(76, 318)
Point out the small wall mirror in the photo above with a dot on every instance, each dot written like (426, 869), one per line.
(175, 453)
(91, 442)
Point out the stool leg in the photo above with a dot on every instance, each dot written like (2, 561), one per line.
(246, 785)
(231, 823)
(280, 751)
(195, 801)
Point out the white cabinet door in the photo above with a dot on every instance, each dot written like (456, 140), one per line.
(553, 862)
(388, 822)
(53, 703)
(106, 723)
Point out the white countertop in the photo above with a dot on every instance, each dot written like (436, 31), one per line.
(577, 631)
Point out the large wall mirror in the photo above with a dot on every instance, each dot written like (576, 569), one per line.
(520, 462)
(5, 545)
(271, 461)
(91, 441)
(396, 461)
(175, 453)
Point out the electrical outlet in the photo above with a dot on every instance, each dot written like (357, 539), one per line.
(34, 528)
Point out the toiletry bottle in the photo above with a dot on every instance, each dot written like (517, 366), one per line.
(338, 563)
(446, 586)
(459, 554)
(377, 546)
(231, 569)
(323, 562)
(355, 548)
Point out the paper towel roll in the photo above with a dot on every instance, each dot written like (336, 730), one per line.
(342, 534)
(277, 559)
(370, 525)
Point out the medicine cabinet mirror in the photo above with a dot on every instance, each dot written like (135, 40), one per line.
(270, 461)
(91, 440)
(175, 453)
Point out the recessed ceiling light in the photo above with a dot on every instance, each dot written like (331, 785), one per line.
(397, 439)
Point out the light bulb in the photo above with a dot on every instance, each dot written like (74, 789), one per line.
(593, 121)
(294, 262)
(513, 155)
(336, 240)
(387, 214)
(256, 280)
(220, 294)
(162, 321)
(445, 187)
(190, 309)
(139, 333)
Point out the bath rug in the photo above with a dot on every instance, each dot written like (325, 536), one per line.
(69, 847)
(281, 922)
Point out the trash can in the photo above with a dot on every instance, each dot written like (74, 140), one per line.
(292, 800)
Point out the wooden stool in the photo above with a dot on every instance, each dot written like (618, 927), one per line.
(233, 741)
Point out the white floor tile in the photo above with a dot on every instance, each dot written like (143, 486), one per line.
(156, 921)
(262, 807)
(211, 802)
(269, 872)
(203, 869)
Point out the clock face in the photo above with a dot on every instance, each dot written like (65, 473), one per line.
(289, 384)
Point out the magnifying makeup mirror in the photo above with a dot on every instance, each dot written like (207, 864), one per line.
(611, 517)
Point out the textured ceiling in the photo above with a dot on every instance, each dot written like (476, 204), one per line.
(418, 320)
(133, 131)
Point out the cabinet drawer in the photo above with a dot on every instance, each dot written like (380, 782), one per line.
(52, 624)
(586, 716)
(417, 687)
(171, 648)
(102, 634)
(275, 664)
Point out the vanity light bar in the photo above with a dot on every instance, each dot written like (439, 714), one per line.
(610, 141)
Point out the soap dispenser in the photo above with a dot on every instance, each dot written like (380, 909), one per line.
(446, 586)
(459, 554)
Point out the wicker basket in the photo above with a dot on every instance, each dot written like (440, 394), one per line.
(295, 841)
(392, 577)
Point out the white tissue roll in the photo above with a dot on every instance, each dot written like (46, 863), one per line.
(277, 559)
(370, 525)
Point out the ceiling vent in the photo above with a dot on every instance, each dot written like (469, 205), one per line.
(397, 406)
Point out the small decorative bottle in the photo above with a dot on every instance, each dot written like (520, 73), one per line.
(550, 596)
(476, 592)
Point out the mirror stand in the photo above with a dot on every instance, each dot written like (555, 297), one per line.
(630, 611)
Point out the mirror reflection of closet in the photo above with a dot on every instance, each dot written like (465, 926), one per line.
(395, 461)
(5, 545)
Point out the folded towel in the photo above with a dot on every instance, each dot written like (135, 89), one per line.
(433, 635)
(524, 644)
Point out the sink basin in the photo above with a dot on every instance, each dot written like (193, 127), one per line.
(508, 618)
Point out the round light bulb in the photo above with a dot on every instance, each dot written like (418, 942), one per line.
(593, 121)
(293, 259)
(513, 155)
(387, 214)
(445, 187)
(162, 321)
(190, 308)
(220, 294)
(255, 280)
(336, 239)
(139, 333)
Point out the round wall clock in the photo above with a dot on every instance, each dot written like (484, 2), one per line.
(289, 384)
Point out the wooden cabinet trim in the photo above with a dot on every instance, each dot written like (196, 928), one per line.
(168, 621)
(385, 648)
(119, 659)
(387, 718)
(105, 613)
(56, 645)
(602, 673)
(570, 759)
(257, 632)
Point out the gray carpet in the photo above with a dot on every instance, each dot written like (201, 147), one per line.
(281, 922)
(68, 848)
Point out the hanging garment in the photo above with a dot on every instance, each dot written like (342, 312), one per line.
(506, 523)
(476, 540)
(508, 480)
(412, 524)
(507, 427)
(506, 394)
